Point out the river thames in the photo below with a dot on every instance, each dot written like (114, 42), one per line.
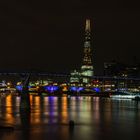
(95, 118)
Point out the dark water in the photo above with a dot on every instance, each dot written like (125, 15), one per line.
(95, 119)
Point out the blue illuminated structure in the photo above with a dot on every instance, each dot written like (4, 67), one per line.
(96, 89)
(76, 89)
(19, 87)
(80, 89)
(51, 88)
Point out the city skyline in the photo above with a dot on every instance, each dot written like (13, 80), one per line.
(40, 36)
(70, 70)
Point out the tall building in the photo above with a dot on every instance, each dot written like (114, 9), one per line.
(75, 77)
(87, 65)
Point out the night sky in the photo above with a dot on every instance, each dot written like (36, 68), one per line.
(49, 35)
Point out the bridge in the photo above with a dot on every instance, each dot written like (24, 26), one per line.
(105, 83)
(25, 102)
(40, 74)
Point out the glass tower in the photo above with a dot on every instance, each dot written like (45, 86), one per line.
(87, 65)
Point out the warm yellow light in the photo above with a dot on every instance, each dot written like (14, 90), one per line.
(8, 83)
(37, 87)
(65, 89)
(18, 83)
(55, 84)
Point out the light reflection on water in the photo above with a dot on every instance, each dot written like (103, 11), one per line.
(94, 118)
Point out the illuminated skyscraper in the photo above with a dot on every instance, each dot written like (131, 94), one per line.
(87, 66)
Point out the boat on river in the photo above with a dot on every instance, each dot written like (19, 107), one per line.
(125, 95)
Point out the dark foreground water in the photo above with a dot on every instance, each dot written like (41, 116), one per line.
(95, 119)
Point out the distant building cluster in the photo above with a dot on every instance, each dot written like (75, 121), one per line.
(121, 70)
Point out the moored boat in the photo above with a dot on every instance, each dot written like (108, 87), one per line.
(124, 95)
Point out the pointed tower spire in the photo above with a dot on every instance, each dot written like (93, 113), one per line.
(87, 30)
(87, 25)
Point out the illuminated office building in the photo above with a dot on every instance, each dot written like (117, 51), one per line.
(87, 65)
(75, 77)
(86, 71)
